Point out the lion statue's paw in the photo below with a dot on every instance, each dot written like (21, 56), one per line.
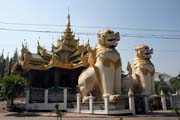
(85, 99)
(114, 98)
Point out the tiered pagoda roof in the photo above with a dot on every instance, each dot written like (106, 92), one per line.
(67, 53)
(67, 41)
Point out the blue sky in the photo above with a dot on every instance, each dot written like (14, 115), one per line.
(138, 14)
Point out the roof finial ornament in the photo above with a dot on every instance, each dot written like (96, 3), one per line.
(68, 17)
(38, 43)
(25, 46)
(7, 55)
(88, 42)
(22, 45)
(68, 10)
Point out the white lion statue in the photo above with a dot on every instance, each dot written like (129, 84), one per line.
(103, 76)
(144, 69)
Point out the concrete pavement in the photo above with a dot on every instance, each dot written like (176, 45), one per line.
(157, 115)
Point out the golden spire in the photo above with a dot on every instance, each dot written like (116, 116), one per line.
(68, 26)
(68, 22)
(67, 42)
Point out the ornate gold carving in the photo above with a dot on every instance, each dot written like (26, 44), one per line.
(91, 56)
(129, 69)
(67, 41)
(107, 62)
(145, 71)
(137, 87)
(75, 55)
(97, 72)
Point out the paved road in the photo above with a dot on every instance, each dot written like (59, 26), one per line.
(15, 116)
(53, 118)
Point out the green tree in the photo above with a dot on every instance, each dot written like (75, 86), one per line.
(6, 68)
(175, 82)
(15, 56)
(2, 64)
(2, 68)
(10, 67)
(11, 87)
(161, 85)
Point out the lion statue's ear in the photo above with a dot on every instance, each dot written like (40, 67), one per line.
(117, 35)
(136, 49)
(152, 50)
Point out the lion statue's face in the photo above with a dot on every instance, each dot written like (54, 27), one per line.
(143, 51)
(108, 38)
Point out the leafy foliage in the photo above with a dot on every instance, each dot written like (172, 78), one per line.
(175, 82)
(11, 86)
(7, 63)
(15, 56)
(161, 85)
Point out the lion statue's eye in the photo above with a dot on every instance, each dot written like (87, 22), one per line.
(146, 48)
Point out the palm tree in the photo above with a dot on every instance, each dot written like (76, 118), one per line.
(11, 87)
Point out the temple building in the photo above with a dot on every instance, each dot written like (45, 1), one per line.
(59, 67)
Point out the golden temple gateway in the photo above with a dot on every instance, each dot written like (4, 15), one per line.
(61, 66)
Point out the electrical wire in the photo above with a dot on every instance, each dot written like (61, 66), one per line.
(100, 27)
(81, 33)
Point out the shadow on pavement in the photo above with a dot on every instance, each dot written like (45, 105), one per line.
(23, 114)
(156, 114)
